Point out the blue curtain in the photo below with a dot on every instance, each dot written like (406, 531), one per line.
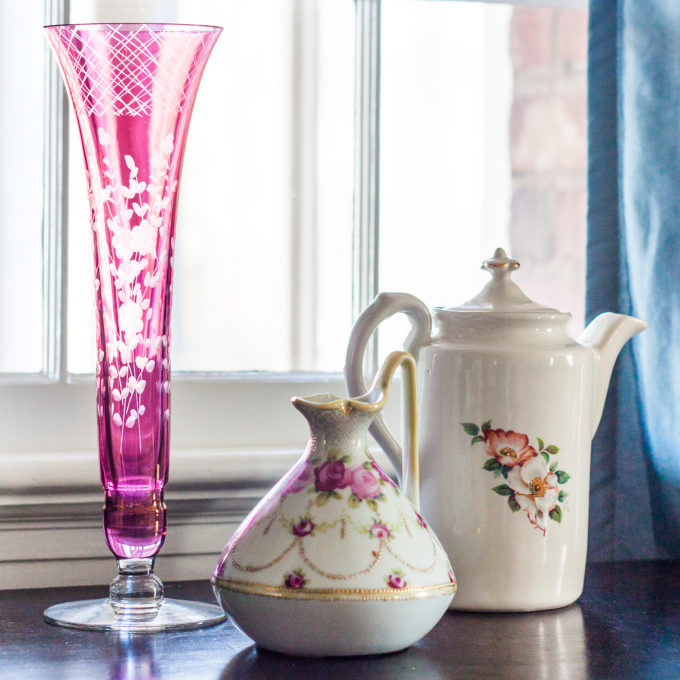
(634, 268)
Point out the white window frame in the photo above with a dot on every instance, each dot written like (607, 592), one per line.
(233, 435)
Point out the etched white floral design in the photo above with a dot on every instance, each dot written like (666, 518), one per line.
(134, 215)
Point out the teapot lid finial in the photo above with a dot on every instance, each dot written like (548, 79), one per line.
(501, 294)
(500, 264)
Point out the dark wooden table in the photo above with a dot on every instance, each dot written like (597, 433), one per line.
(626, 625)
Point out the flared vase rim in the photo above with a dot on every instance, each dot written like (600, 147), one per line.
(129, 26)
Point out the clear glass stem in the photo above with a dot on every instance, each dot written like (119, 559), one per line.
(136, 592)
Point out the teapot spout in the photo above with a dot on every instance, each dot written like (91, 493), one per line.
(606, 335)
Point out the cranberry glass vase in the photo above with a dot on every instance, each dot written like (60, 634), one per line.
(133, 87)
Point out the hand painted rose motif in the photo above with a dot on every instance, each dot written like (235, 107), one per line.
(364, 483)
(395, 579)
(379, 530)
(532, 476)
(336, 473)
(295, 580)
(303, 527)
(331, 475)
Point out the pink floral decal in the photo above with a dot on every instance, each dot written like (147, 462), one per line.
(508, 448)
(304, 527)
(295, 580)
(366, 487)
(364, 484)
(536, 491)
(331, 475)
(531, 474)
(379, 530)
(396, 579)
(336, 473)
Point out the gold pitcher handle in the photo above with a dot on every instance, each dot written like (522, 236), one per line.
(383, 307)
(410, 469)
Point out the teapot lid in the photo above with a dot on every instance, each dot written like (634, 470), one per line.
(502, 294)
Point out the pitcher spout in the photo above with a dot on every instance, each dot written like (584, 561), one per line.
(606, 335)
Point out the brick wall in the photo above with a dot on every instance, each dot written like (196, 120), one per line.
(548, 137)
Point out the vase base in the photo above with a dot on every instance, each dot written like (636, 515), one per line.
(172, 615)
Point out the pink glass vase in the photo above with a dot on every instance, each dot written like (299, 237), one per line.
(133, 87)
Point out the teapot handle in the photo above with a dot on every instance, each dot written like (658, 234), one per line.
(384, 306)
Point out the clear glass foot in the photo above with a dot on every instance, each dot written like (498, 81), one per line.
(135, 604)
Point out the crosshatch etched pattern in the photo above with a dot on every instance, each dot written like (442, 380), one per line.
(125, 70)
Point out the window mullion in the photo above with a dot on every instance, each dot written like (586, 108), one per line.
(303, 242)
(54, 206)
(366, 174)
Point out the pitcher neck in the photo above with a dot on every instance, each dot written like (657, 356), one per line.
(339, 442)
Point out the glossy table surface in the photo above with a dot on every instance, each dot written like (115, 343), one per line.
(626, 625)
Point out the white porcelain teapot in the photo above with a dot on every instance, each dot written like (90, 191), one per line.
(509, 404)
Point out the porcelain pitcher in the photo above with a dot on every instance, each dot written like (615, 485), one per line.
(336, 559)
(509, 404)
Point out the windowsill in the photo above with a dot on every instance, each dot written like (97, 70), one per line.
(50, 500)
(50, 512)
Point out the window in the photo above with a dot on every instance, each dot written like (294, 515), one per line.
(337, 148)
(21, 120)
(488, 150)
(265, 221)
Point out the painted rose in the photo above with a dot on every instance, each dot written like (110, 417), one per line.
(508, 448)
(536, 491)
(303, 527)
(300, 481)
(295, 580)
(396, 580)
(381, 474)
(379, 530)
(364, 483)
(331, 475)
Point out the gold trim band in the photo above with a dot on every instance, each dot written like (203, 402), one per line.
(407, 593)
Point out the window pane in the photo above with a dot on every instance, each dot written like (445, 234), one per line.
(483, 144)
(264, 228)
(22, 49)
